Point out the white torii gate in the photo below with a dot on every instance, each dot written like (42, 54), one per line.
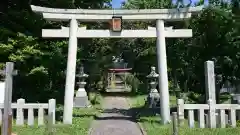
(86, 15)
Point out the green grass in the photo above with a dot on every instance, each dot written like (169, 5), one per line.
(138, 101)
(152, 126)
(82, 119)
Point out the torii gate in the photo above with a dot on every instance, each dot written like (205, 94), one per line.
(87, 15)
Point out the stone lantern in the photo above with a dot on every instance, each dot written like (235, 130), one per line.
(153, 98)
(229, 89)
(81, 99)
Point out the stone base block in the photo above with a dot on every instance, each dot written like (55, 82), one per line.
(81, 102)
(153, 100)
(81, 92)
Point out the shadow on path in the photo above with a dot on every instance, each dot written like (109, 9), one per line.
(115, 119)
(120, 94)
(132, 114)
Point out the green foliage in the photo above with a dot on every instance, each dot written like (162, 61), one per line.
(238, 123)
(42, 62)
(95, 98)
(142, 4)
(133, 81)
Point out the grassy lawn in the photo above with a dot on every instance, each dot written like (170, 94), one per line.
(152, 126)
(82, 119)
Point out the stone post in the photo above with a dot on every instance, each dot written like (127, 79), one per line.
(236, 100)
(9, 72)
(210, 81)
(175, 123)
(153, 96)
(81, 99)
(210, 92)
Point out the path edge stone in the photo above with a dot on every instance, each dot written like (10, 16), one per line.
(139, 124)
(92, 125)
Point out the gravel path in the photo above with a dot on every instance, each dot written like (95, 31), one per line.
(115, 120)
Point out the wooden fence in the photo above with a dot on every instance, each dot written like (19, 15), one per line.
(216, 116)
(20, 106)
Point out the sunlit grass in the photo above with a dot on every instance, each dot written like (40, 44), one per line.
(82, 119)
(152, 125)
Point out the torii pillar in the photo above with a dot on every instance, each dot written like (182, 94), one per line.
(71, 72)
(162, 68)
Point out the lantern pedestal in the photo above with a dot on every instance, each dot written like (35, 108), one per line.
(153, 99)
(81, 99)
(81, 90)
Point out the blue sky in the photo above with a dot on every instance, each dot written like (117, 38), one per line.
(117, 3)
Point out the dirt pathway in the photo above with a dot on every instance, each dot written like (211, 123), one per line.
(115, 119)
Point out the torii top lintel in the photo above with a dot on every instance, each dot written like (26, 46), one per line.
(56, 14)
